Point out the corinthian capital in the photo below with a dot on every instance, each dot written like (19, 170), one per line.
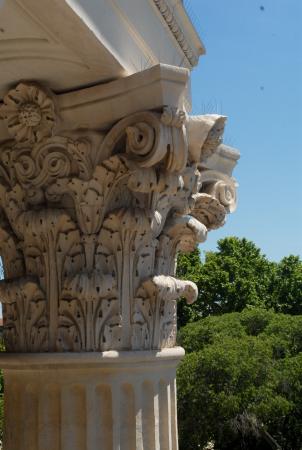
(91, 227)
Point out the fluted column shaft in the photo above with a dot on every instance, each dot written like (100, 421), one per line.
(106, 401)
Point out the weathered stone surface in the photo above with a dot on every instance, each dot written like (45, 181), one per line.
(93, 401)
(99, 191)
(70, 44)
(91, 227)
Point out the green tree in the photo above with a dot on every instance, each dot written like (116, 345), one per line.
(241, 379)
(189, 267)
(237, 276)
(287, 286)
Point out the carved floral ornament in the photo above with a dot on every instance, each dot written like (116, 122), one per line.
(29, 113)
(89, 233)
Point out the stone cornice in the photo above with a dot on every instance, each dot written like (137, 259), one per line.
(176, 30)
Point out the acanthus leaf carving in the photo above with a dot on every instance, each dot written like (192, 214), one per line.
(209, 211)
(154, 318)
(25, 316)
(10, 250)
(181, 233)
(87, 298)
(91, 198)
(50, 243)
(91, 225)
(125, 249)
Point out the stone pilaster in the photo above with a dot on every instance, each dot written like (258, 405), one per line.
(89, 235)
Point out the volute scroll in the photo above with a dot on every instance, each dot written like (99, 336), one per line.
(90, 229)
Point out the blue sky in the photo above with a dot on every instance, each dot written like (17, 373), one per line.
(253, 74)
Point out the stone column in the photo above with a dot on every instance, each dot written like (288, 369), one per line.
(89, 234)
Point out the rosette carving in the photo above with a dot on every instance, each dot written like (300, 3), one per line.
(89, 233)
(29, 113)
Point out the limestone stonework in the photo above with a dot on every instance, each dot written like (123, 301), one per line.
(90, 227)
(112, 401)
(90, 234)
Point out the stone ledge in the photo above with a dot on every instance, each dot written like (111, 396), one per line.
(41, 361)
(98, 107)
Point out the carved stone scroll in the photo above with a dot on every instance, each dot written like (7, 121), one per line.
(154, 318)
(90, 228)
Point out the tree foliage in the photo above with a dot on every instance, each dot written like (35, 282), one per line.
(237, 276)
(241, 378)
(241, 382)
(287, 286)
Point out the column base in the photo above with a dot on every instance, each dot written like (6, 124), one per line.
(91, 401)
